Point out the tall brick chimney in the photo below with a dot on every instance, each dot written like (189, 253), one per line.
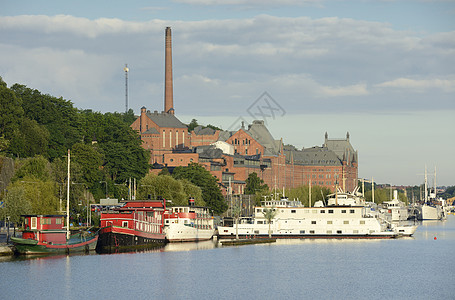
(168, 90)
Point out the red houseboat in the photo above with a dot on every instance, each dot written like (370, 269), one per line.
(45, 234)
(137, 224)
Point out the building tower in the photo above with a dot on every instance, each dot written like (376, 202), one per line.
(168, 90)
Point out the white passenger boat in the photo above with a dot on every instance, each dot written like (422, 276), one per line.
(345, 215)
(396, 210)
(188, 223)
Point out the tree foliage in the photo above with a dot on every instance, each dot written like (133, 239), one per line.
(199, 176)
(169, 188)
(255, 184)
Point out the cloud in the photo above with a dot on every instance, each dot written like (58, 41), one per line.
(249, 3)
(219, 65)
(420, 86)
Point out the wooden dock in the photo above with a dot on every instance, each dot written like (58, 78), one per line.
(240, 242)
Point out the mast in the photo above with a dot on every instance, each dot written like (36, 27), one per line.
(309, 194)
(68, 200)
(426, 187)
(372, 189)
(435, 183)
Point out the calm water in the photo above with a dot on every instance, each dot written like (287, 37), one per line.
(417, 268)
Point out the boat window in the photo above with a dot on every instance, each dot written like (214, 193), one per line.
(302, 231)
(125, 224)
(292, 211)
(330, 211)
(167, 221)
(312, 231)
(339, 232)
(329, 231)
(256, 232)
(343, 211)
(329, 222)
(322, 211)
(313, 222)
(345, 222)
(355, 231)
(351, 211)
(362, 222)
(314, 211)
(260, 222)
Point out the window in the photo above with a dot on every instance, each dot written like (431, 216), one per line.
(260, 222)
(322, 211)
(355, 231)
(339, 232)
(362, 222)
(125, 224)
(345, 222)
(313, 222)
(292, 211)
(311, 231)
(330, 222)
(302, 231)
(343, 211)
(329, 231)
(351, 211)
(330, 211)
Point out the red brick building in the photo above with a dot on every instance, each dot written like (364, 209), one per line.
(232, 155)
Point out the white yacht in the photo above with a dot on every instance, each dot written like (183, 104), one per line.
(188, 223)
(345, 215)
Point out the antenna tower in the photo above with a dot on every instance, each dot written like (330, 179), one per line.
(126, 87)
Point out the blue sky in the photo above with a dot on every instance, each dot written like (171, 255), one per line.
(382, 70)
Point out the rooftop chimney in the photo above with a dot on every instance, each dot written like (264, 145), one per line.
(168, 97)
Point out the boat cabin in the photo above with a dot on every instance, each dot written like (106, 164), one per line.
(44, 228)
(142, 215)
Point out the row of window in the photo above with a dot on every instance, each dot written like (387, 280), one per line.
(322, 211)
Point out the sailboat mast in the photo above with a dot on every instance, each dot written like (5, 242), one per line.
(435, 183)
(68, 200)
(426, 187)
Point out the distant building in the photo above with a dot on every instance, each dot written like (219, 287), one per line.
(232, 155)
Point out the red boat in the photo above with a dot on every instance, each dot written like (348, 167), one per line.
(45, 234)
(136, 225)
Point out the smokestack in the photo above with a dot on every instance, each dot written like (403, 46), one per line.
(168, 94)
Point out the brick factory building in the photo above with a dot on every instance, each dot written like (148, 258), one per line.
(232, 155)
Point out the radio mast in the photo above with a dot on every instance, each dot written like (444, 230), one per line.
(126, 87)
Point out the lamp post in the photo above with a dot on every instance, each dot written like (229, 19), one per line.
(106, 186)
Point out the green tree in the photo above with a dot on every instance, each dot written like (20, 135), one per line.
(58, 115)
(199, 176)
(89, 160)
(16, 204)
(31, 139)
(11, 112)
(193, 124)
(169, 188)
(34, 168)
(269, 215)
(255, 184)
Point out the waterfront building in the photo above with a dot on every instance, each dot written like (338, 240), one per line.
(232, 155)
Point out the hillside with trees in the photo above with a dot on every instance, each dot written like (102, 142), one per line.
(36, 131)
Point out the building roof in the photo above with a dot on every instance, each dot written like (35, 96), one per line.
(199, 130)
(262, 135)
(342, 147)
(151, 131)
(165, 120)
(315, 156)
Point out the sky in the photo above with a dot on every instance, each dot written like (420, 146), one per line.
(384, 71)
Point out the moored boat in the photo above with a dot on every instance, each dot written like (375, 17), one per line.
(188, 223)
(344, 216)
(138, 224)
(44, 234)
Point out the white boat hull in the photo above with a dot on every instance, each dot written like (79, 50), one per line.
(178, 232)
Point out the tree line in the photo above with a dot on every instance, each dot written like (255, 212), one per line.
(36, 130)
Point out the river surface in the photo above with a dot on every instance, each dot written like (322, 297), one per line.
(421, 267)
